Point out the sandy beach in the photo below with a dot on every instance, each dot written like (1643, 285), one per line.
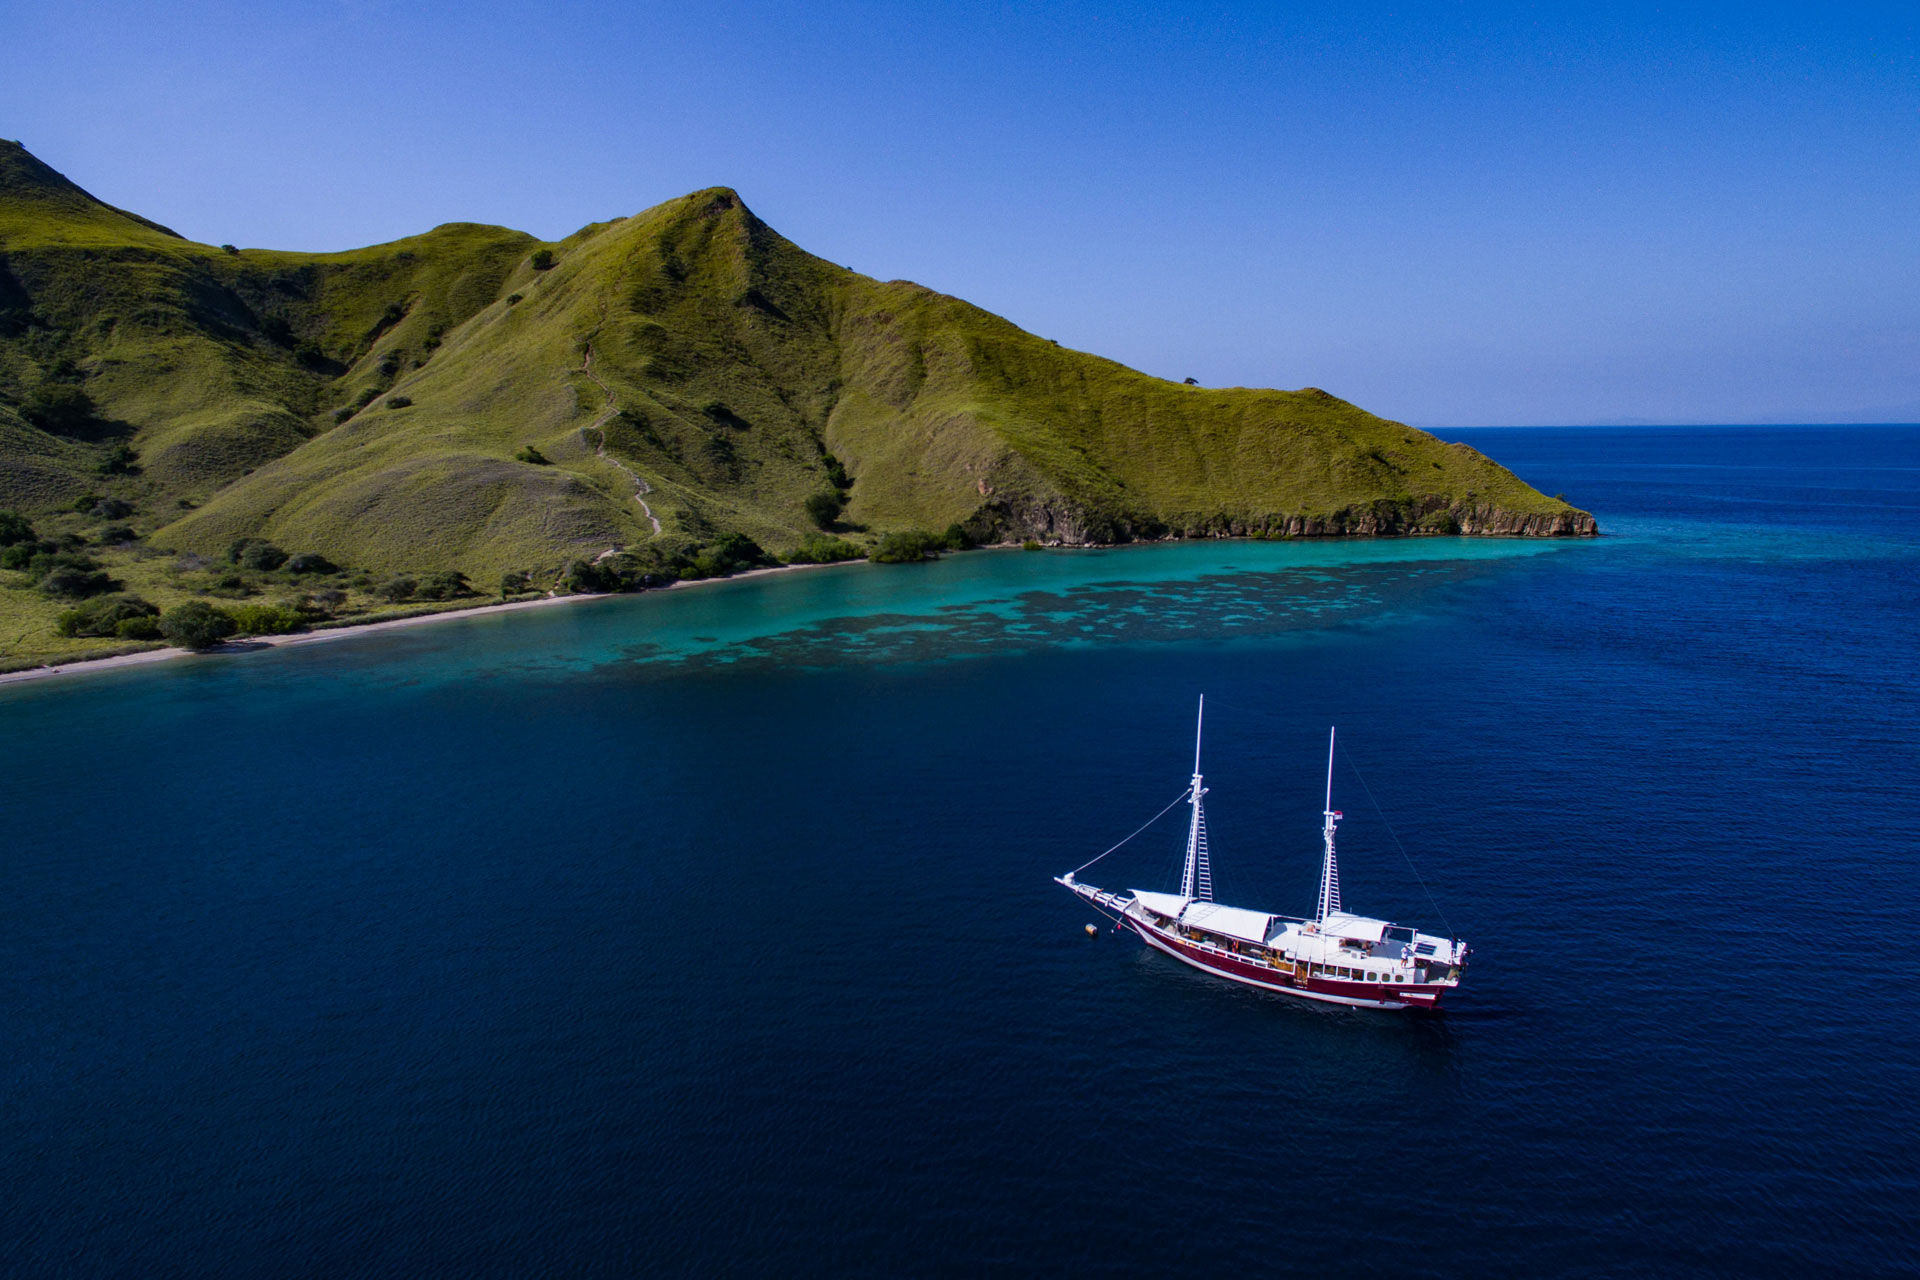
(87, 665)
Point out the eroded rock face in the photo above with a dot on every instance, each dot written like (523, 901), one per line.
(1057, 520)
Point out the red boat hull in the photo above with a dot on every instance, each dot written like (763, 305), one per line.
(1308, 986)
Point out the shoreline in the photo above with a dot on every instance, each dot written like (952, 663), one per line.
(80, 666)
(83, 666)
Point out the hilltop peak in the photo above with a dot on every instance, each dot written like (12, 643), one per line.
(25, 178)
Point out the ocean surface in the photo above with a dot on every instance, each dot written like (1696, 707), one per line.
(713, 932)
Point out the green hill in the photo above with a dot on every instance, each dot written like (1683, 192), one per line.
(472, 399)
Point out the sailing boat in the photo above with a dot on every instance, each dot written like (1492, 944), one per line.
(1336, 956)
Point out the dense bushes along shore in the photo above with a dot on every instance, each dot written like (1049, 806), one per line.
(314, 591)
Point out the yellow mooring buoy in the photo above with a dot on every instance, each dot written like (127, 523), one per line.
(1092, 932)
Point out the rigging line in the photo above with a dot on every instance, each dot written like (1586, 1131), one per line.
(1142, 827)
(1377, 808)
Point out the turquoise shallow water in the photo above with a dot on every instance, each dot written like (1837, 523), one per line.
(712, 930)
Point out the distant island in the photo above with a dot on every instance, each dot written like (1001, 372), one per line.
(295, 438)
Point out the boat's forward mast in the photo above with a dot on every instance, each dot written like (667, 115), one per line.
(1330, 869)
(1196, 875)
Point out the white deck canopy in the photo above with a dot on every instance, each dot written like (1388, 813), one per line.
(1359, 928)
(1229, 922)
(1166, 904)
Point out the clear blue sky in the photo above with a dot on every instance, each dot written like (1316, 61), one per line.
(1449, 214)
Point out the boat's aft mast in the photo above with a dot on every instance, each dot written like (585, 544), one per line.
(1196, 878)
(1330, 871)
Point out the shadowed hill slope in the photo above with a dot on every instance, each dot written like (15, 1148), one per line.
(425, 404)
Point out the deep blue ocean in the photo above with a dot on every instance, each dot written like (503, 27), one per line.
(712, 931)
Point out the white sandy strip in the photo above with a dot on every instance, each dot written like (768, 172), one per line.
(340, 633)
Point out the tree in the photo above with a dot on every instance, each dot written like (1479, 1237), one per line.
(448, 584)
(196, 625)
(738, 551)
(818, 548)
(262, 557)
(120, 461)
(102, 617)
(906, 547)
(57, 407)
(14, 528)
(264, 619)
(533, 457)
(824, 508)
(541, 260)
(515, 582)
(398, 588)
(311, 562)
(583, 577)
(75, 582)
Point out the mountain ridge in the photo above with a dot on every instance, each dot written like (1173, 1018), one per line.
(379, 405)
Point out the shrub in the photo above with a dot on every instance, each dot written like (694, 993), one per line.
(341, 414)
(119, 461)
(85, 503)
(514, 583)
(102, 617)
(14, 529)
(397, 588)
(115, 535)
(227, 248)
(399, 402)
(824, 508)
(110, 509)
(541, 260)
(58, 407)
(264, 619)
(956, 538)
(311, 562)
(366, 397)
(392, 316)
(906, 547)
(836, 473)
(583, 577)
(533, 456)
(72, 582)
(141, 628)
(818, 548)
(390, 364)
(326, 600)
(513, 299)
(445, 585)
(196, 625)
(1029, 545)
(256, 554)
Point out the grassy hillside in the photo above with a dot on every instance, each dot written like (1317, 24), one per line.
(471, 399)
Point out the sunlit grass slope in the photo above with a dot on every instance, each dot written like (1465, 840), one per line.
(430, 403)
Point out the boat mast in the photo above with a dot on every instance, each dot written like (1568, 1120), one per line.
(1196, 878)
(1330, 870)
